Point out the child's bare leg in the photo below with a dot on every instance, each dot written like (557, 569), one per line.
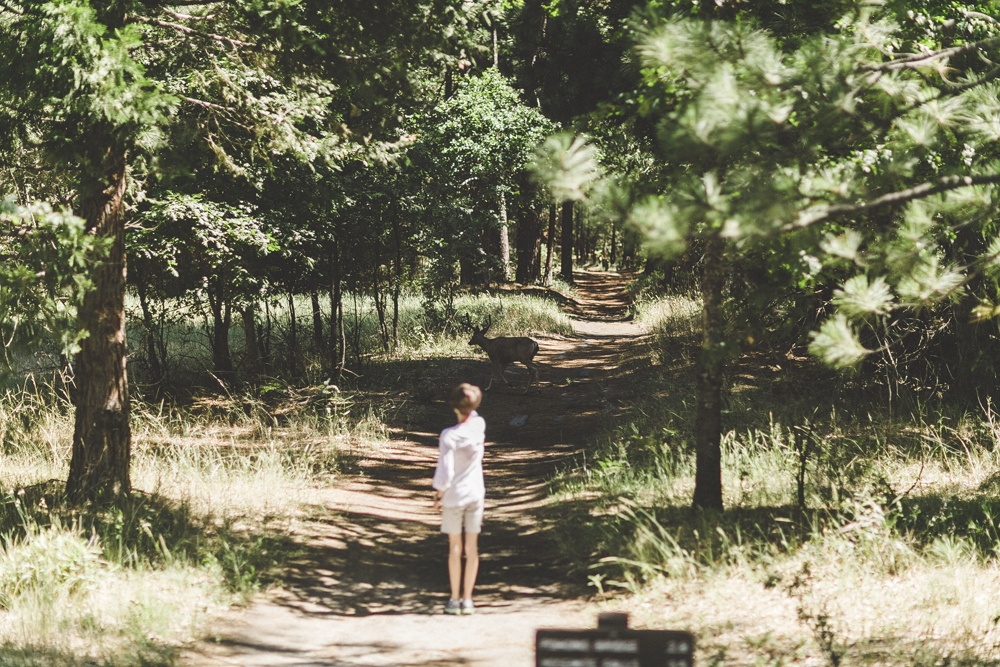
(471, 562)
(455, 563)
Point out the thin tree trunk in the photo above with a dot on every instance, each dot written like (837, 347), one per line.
(397, 278)
(317, 314)
(550, 256)
(250, 336)
(342, 340)
(293, 336)
(102, 435)
(380, 300)
(265, 340)
(614, 245)
(504, 240)
(338, 343)
(149, 339)
(567, 242)
(222, 358)
(708, 422)
(528, 241)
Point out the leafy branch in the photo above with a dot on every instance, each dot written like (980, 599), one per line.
(813, 216)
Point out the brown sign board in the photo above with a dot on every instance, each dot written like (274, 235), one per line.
(613, 645)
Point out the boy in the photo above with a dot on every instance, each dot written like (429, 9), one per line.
(460, 492)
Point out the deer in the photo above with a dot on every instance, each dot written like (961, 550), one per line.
(504, 351)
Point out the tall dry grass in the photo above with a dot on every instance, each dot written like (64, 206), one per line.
(207, 526)
(851, 535)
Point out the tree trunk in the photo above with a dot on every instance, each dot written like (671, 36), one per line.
(338, 341)
(397, 278)
(380, 299)
(149, 338)
(293, 343)
(550, 256)
(529, 241)
(317, 320)
(504, 240)
(708, 422)
(102, 435)
(250, 335)
(614, 245)
(264, 342)
(342, 340)
(222, 358)
(567, 242)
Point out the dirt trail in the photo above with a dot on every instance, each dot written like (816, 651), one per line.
(371, 585)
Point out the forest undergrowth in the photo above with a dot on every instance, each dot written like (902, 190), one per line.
(857, 530)
(223, 484)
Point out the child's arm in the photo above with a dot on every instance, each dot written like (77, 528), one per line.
(445, 471)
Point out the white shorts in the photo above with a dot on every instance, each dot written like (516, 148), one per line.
(469, 517)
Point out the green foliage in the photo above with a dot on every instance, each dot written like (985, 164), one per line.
(201, 243)
(471, 152)
(73, 78)
(48, 256)
(47, 561)
(567, 166)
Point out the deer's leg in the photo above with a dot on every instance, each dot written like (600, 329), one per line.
(503, 369)
(532, 375)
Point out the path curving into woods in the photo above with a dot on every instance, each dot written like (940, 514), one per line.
(372, 581)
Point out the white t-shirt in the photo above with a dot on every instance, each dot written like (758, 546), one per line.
(459, 472)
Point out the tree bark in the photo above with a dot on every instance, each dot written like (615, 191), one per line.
(550, 252)
(317, 314)
(149, 338)
(708, 422)
(250, 336)
(397, 278)
(529, 241)
(338, 339)
(102, 435)
(567, 242)
(614, 245)
(293, 343)
(504, 240)
(222, 319)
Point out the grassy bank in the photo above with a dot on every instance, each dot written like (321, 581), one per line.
(222, 485)
(855, 532)
(291, 353)
(210, 523)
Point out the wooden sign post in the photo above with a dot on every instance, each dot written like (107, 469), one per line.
(613, 644)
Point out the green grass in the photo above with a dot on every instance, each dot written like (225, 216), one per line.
(890, 558)
(853, 534)
(219, 483)
(426, 330)
(209, 524)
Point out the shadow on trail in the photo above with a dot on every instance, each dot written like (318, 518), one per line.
(600, 297)
(379, 566)
(378, 550)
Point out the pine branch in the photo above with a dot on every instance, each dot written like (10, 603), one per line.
(186, 17)
(218, 107)
(196, 3)
(209, 105)
(195, 33)
(918, 61)
(922, 191)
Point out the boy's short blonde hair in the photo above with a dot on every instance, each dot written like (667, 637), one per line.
(465, 397)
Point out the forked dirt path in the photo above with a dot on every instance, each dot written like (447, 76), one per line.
(372, 583)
